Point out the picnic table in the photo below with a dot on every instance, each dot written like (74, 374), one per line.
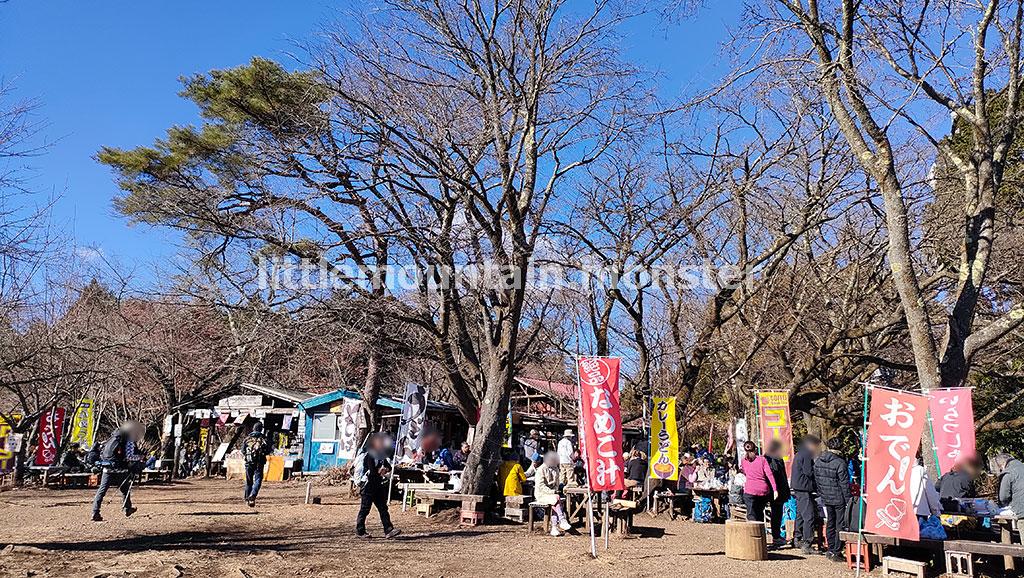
(576, 500)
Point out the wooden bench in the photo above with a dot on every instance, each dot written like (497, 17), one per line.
(428, 503)
(409, 490)
(531, 519)
(669, 502)
(156, 475)
(960, 548)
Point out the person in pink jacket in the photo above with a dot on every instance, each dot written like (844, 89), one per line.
(760, 487)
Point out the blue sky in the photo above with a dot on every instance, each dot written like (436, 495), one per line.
(106, 73)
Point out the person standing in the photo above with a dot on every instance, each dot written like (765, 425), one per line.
(832, 480)
(376, 475)
(760, 484)
(531, 446)
(510, 474)
(778, 467)
(254, 450)
(804, 490)
(567, 458)
(120, 462)
(1011, 484)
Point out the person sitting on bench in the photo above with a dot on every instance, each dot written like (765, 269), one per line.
(120, 462)
(545, 493)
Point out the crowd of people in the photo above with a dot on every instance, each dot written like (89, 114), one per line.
(821, 485)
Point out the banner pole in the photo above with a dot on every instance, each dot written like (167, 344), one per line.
(586, 460)
(861, 493)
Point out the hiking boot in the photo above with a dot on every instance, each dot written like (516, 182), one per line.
(392, 533)
(96, 517)
(129, 511)
(835, 557)
(363, 536)
(807, 550)
(251, 502)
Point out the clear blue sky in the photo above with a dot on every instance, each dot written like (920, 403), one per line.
(106, 73)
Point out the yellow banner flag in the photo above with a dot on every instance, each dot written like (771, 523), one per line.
(83, 426)
(664, 440)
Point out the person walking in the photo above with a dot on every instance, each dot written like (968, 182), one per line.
(374, 477)
(120, 462)
(760, 484)
(255, 450)
(778, 467)
(804, 491)
(832, 479)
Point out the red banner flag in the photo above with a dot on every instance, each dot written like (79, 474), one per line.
(602, 427)
(51, 426)
(952, 425)
(896, 421)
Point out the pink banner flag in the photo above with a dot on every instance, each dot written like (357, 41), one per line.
(952, 425)
(895, 422)
(602, 424)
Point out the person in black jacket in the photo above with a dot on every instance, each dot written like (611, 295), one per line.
(833, 483)
(804, 491)
(255, 449)
(778, 467)
(120, 462)
(377, 475)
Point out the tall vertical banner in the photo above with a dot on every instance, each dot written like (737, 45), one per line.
(952, 425)
(664, 440)
(348, 427)
(51, 427)
(775, 423)
(896, 421)
(410, 426)
(83, 424)
(602, 424)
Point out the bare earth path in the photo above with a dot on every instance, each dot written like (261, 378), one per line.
(202, 528)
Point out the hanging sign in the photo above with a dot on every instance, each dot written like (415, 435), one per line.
(410, 427)
(348, 427)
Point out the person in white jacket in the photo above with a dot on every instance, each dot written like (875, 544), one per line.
(922, 489)
(545, 492)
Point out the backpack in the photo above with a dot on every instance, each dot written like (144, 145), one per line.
(113, 451)
(359, 473)
(254, 449)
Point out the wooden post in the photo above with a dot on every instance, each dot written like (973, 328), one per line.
(309, 492)
(605, 526)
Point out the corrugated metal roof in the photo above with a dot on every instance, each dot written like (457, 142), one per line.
(289, 395)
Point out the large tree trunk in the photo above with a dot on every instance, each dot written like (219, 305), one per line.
(483, 461)
(375, 368)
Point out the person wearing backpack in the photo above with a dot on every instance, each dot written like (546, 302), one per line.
(119, 461)
(255, 450)
(373, 474)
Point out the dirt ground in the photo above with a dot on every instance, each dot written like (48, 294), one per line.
(203, 528)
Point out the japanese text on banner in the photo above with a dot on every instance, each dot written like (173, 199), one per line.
(773, 407)
(896, 421)
(952, 425)
(664, 440)
(602, 427)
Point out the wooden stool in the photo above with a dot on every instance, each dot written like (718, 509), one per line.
(959, 564)
(893, 564)
(745, 540)
(851, 556)
(547, 517)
